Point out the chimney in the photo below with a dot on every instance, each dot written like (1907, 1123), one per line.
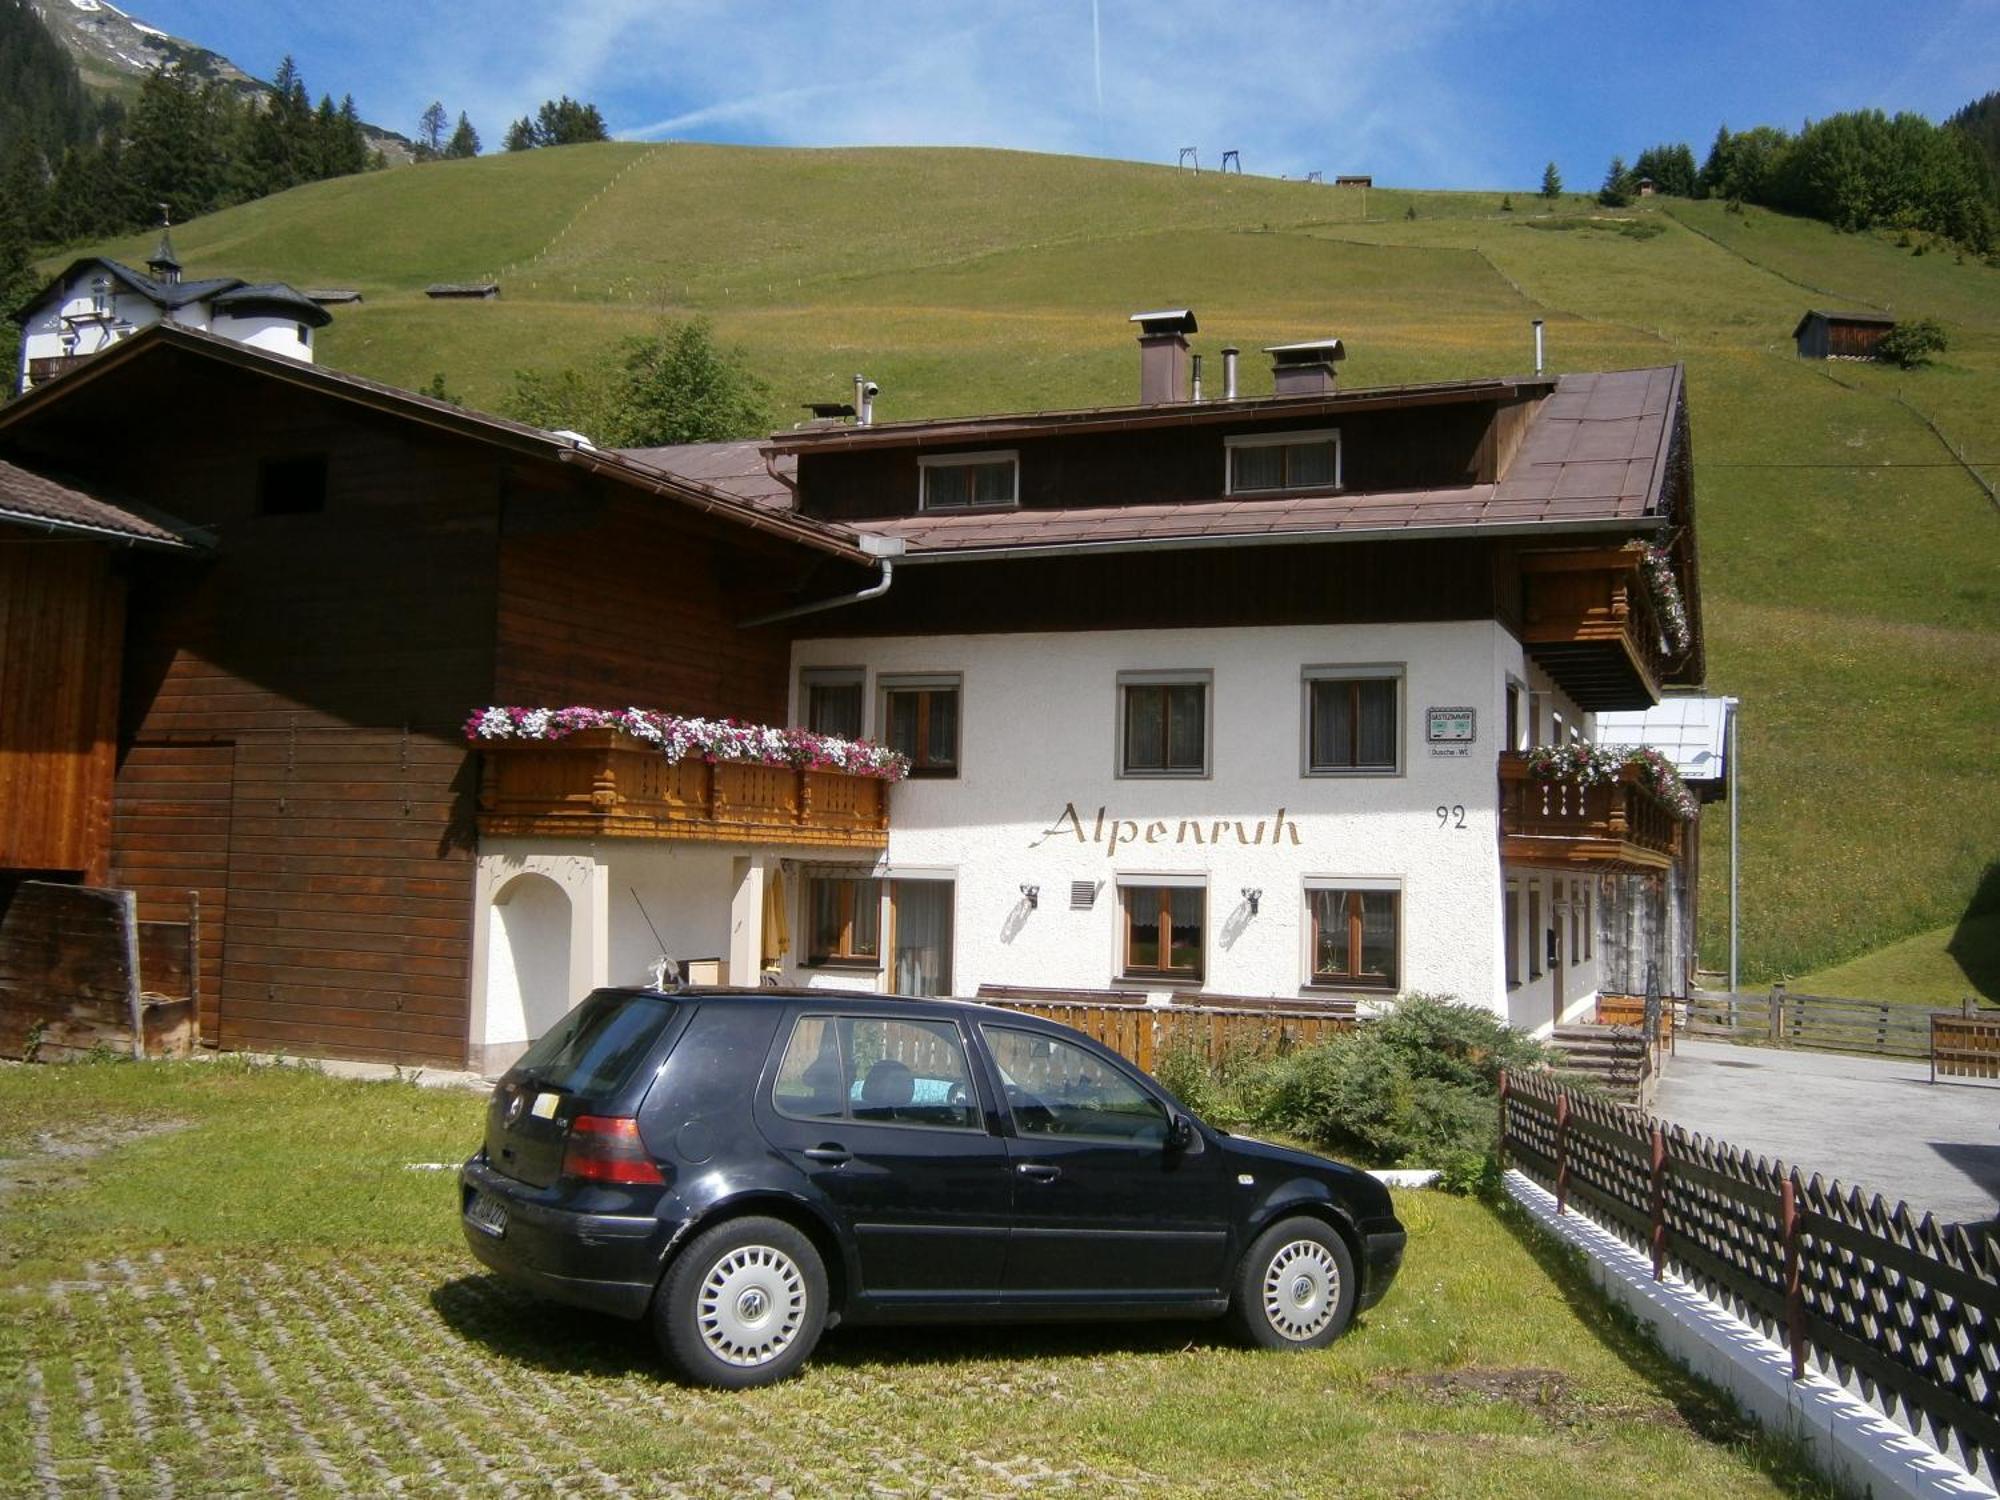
(1197, 377)
(1229, 373)
(1304, 369)
(865, 392)
(1163, 355)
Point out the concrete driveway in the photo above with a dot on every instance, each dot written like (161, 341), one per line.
(1874, 1123)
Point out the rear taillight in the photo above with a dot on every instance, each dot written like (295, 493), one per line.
(606, 1148)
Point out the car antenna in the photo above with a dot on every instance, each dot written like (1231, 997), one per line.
(665, 971)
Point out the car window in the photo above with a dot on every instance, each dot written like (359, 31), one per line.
(877, 1071)
(1055, 1088)
(592, 1051)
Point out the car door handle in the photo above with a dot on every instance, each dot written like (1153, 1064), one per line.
(1038, 1171)
(831, 1155)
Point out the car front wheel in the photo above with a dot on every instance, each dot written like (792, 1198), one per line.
(742, 1305)
(1295, 1288)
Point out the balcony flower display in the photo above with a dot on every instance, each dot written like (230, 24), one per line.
(1591, 765)
(1665, 588)
(711, 740)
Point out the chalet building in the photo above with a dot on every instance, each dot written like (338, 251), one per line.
(1213, 698)
(1840, 335)
(96, 302)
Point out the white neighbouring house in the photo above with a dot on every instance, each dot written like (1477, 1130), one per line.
(95, 303)
(1249, 698)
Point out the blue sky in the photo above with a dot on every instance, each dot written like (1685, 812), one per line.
(1422, 93)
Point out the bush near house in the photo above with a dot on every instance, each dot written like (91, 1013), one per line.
(1912, 343)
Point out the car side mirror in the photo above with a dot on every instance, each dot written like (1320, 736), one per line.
(1182, 1136)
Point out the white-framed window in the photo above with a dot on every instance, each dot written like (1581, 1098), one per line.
(100, 296)
(1520, 717)
(1163, 723)
(969, 481)
(1510, 917)
(1354, 720)
(1354, 933)
(1274, 462)
(831, 699)
(919, 718)
(1163, 927)
(843, 920)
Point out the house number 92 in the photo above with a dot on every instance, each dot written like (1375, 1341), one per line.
(1451, 817)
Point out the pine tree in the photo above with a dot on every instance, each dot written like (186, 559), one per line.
(353, 154)
(464, 140)
(1552, 183)
(521, 135)
(1617, 189)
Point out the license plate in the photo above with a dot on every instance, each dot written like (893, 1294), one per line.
(487, 1213)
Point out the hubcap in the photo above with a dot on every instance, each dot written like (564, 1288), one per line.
(752, 1303)
(1301, 1290)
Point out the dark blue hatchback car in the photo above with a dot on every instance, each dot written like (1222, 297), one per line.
(749, 1167)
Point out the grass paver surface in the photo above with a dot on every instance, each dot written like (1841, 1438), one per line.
(224, 1279)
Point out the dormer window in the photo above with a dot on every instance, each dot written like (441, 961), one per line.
(1273, 462)
(969, 481)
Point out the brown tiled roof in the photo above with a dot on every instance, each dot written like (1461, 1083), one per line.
(734, 468)
(1595, 454)
(34, 500)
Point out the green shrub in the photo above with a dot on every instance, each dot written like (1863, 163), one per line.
(1913, 343)
(1418, 1087)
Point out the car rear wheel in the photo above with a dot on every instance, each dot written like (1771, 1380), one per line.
(1295, 1288)
(742, 1305)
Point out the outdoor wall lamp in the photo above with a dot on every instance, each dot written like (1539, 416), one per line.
(1032, 894)
(1253, 894)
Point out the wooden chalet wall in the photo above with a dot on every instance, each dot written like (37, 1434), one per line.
(292, 742)
(62, 608)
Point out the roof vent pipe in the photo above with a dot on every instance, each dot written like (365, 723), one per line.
(1197, 378)
(865, 392)
(1538, 346)
(1229, 373)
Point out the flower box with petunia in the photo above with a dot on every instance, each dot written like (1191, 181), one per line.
(711, 740)
(1592, 765)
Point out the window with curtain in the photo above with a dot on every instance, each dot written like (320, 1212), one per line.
(844, 920)
(1354, 937)
(832, 701)
(920, 720)
(969, 481)
(921, 913)
(1289, 461)
(1164, 728)
(1164, 931)
(1353, 724)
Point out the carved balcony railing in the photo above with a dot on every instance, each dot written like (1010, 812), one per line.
(1588, 619)
(604, 783)
(1612, 824)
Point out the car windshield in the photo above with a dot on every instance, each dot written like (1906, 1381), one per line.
(592, 1051)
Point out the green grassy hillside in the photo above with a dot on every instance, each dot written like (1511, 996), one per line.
(1851, 570)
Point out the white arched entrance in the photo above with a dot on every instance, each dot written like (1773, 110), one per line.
(527, 959)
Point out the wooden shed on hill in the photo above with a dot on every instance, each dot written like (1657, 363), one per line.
(468, 291)
(1840, 335)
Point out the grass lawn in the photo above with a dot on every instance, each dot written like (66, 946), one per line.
(223, 1278)
(1933, 969)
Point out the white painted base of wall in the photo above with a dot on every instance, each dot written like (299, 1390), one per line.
(1847, 1439)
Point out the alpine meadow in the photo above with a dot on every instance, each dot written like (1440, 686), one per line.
(1850, 556)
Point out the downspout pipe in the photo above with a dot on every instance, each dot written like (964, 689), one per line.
(884, 549)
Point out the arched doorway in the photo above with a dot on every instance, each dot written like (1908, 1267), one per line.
(527, 959)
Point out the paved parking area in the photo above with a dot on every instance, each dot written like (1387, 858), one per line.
(1875, 1123)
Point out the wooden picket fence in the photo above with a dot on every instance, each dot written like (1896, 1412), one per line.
(1908, 1309)
(1965, 1045)
(1142, 1033)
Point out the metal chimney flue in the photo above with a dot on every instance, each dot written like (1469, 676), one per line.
(865, 392)
(1163, 355)
(1538, 346)
(1229, 373)
(1197, 377)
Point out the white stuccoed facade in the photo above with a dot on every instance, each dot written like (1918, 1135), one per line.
(1039, 739)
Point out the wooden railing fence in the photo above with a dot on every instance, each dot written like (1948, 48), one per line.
(1908, 1309)
(1142, 1034)
(1964, 1043)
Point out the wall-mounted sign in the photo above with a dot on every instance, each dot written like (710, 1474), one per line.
(1451, 731)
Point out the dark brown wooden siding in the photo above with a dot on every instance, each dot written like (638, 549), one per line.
(1413, 448)
(61, 623)
(170, 837)
(1341, 583)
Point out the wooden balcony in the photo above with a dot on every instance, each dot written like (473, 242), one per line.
(603, 783)
(1588, 620)
(47, 368)
(1612, 825)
